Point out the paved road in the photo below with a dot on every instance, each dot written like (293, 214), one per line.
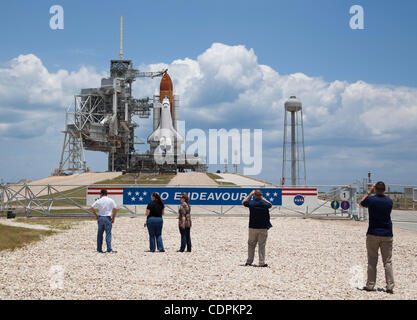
(12, 223)
(404, 219)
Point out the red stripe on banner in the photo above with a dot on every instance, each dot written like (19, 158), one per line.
(121, 193)
(298, 189)
(296, 194)
(91, 188)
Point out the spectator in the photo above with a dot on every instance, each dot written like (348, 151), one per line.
(154, 222)
(107, 210)
(259, 223)
(184, 223)
(379, 235)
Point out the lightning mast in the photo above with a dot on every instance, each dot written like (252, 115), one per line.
(121, 38)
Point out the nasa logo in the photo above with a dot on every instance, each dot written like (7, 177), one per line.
(299, 200)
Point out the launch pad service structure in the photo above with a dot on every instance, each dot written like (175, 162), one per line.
(102, 121)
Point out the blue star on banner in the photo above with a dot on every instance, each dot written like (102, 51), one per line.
(136, 196)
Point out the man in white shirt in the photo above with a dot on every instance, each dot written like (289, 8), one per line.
(107, 210)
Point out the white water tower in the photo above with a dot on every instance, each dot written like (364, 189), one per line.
(293, 153)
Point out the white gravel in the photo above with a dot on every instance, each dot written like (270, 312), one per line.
(309, 259)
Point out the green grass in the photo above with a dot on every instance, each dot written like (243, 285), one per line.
(55, 223)
(79, 192)
(12, 238)
(221, 183)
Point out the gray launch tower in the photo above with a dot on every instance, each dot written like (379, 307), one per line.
(293, 149)
(102, 121)
(102, 118)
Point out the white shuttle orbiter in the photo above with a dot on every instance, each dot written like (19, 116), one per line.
(165, 134)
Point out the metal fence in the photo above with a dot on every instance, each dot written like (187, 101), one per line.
(70, 200)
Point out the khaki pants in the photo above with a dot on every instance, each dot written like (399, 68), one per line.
(257, 236)
(373, 244)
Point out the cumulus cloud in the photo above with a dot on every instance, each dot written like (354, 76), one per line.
(229, 78)
(351, 126)
(362, 125)
(32, 99)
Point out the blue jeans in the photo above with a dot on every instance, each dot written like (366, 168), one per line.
(104, 223)
(154, 225)
(185, 239)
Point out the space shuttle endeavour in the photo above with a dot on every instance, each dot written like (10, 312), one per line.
(165, 136)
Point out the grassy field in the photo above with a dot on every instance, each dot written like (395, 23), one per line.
(221, 183)
(15, 237)
(78, 195)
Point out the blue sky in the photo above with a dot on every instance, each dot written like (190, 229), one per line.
(298, 37)
(306, 36)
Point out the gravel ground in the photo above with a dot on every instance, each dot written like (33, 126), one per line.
(309, 259)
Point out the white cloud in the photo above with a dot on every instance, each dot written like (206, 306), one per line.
(27, 79)
(233, 73)
(226, 87)
(32, 99)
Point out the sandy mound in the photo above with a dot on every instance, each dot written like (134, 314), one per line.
(192, 178)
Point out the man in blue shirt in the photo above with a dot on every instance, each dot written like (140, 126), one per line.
(259, 223)
(379, 235)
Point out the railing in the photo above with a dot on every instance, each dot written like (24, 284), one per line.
(70, 200)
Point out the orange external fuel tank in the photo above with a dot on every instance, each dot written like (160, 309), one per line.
(166, 90)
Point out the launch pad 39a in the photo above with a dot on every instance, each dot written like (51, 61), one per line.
(101, 120)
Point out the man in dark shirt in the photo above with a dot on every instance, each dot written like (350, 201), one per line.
(259, 223)
(379, 235)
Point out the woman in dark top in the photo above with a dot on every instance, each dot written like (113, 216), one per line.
(184, 223)
(154, 222)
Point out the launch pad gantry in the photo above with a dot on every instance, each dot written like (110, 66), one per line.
(102, 121)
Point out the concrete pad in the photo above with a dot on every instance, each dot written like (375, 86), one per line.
(404, 219)
(240, 180)
(192, 178)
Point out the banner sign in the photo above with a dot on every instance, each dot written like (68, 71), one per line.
(198, 196)
(294, 197)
